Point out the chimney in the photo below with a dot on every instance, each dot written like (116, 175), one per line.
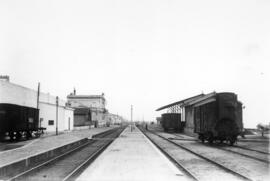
(74, 91)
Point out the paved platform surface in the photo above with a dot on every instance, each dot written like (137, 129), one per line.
(131, 157)
(46, 143)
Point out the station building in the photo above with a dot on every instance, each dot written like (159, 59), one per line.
(11, 93)
(89, 109)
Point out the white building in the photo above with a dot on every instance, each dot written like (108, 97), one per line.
(113, 119)
(15, 94)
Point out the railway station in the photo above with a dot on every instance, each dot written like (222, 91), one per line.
(176, 147)
(197, 138)
(133, 153)
(120, 90)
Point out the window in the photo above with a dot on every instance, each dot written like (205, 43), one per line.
(51, 122)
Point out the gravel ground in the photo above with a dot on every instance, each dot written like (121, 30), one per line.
(200, 168)
(246, 166)
(260, 146)
(255, 142)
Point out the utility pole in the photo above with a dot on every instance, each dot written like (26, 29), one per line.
(38, 92)
(131, 112)
(57, 103)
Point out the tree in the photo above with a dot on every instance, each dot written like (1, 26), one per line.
(262, 128)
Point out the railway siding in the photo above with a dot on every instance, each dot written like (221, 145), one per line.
(70, 165)
(23, 158)
(202, 169)
(254, 169)
(240, 150)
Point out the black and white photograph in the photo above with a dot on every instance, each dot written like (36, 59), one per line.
(134, 90)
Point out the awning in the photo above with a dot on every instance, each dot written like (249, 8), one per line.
(181, 103)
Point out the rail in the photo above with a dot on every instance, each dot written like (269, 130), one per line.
(203, 157)
(115, 132)
(179, 165)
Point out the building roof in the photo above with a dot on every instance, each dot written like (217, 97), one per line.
(25, 96)
(203, 100)
(72, 96)
(196, 100)
(181, 103)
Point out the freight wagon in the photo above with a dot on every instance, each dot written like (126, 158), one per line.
(218, 117)
(18, 121)
(171, 122)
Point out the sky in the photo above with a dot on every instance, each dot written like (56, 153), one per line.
(145, 53)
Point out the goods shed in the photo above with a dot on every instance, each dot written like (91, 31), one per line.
(175, 118)
(213, 116)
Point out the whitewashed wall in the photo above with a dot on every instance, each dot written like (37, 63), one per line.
(69, 119)
(15, 94)
(19, 95)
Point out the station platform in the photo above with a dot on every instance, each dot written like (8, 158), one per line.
(36, 150)
(132, 157)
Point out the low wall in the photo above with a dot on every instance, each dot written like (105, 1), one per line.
(25, 164)
(30, 162)
(81, 127)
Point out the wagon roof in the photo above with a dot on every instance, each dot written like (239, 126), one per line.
(182, 102)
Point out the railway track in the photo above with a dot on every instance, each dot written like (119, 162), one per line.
(249, 153)
(258, 151)
(195, 171)
(239, 150)
(69, 165)
(190, 175)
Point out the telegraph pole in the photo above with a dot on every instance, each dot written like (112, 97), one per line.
(57, 103)
(131, 112)
(38, 93)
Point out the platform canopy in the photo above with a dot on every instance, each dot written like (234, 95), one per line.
(181, 103)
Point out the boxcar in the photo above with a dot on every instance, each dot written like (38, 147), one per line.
(218, 118)
(17, 121)
(171, 121)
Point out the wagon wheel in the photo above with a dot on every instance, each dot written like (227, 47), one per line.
(221, 141)
(232, 140)
(18, 136)
(203, 140)
(201, 137)
(11, 136)
(28, 135)
(210, 138)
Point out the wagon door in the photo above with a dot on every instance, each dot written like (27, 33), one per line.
(197, 119)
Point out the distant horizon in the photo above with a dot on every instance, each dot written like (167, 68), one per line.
(128, 119)
(141, 53)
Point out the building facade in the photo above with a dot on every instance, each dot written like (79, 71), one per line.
(113, 119)
(82, 117)
(94, 103)
(18, 95)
